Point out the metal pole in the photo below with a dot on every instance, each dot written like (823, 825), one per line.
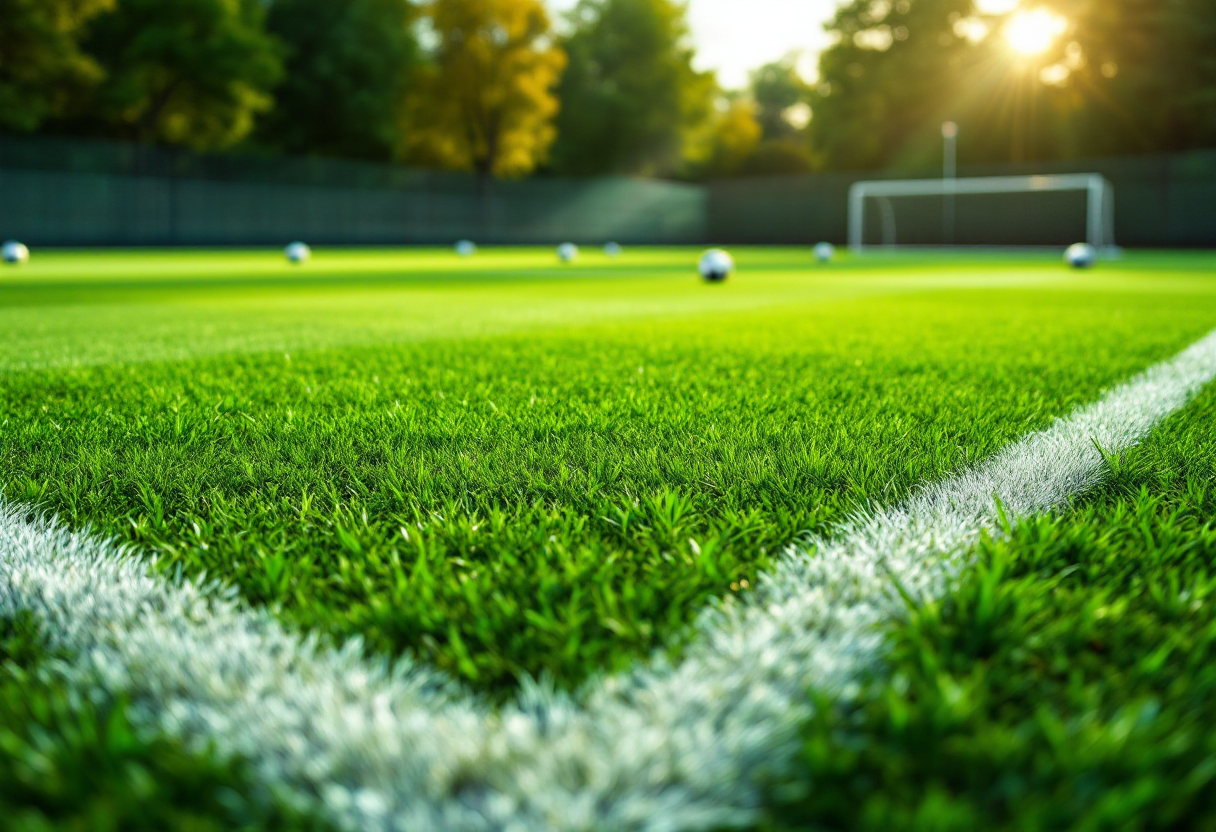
(1097, 212)
(950, 174)
(1112, 245)
(888, 220)
(857, 217)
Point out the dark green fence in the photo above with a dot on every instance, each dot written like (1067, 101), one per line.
(76, 193)
(1161, 201)
(61, 191)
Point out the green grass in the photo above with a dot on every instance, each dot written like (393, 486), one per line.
(508, 467)
(1069, 683)
(561, 496)
(105, 307)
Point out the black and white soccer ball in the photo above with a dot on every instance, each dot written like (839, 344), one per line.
(466, 248)
(15, 253)
(716, 265)
(567, 252)
(298, 253)
(1081, 256)
(825, 253)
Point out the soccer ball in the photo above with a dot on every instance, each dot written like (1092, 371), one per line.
(297, 253)
(1081, 256)
(825, 252)
(567, 252)
(466, 248)
(15, 253)
(613, 249)
(716, 265)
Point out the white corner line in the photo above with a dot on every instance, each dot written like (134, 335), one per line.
(664, 747)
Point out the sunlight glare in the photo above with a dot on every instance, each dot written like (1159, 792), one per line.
(996, 7)
(1033, 32)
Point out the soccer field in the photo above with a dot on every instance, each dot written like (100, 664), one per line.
(411, 541)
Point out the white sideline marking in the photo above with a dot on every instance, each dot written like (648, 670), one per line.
(664, 747)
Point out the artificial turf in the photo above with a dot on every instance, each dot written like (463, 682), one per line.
(1069, 682)
(510, 467)
(559, 500)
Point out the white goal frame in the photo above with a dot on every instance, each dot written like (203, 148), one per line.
(1100, 212)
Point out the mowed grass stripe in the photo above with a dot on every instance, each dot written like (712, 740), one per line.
(687, 745)
(182, 306)
(555, 505)
(86, 308)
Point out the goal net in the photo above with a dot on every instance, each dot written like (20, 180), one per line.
(996, 211)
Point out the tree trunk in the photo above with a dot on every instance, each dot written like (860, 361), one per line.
(485, 204)
(485, 190)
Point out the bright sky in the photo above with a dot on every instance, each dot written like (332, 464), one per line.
(737, 36)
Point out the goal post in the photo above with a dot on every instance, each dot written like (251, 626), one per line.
(1098, 191)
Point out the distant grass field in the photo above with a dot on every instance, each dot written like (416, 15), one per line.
(510, 468)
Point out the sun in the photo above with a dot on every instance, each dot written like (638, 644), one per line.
(1033, 32)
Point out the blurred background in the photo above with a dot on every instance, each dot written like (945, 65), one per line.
(170, 122)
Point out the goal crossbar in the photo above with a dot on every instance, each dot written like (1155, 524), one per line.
(1100, 216)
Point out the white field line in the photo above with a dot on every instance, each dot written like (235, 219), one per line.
(665, 747)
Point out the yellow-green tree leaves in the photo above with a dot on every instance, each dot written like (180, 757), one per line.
(732, 139)
(486, 102)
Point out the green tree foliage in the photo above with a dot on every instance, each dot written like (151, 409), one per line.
(782, 101)
(486, 103)
(779, 92)
(41, 64)
(186, 72)
(631, 100)
(348, 67)
(1123, 76)
(1132, 76)
(890, 81)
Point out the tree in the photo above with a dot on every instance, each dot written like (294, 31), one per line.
(41, 64)
(781, 97)
(783, 113)
(1123, 76)
(632, 102)
(1132, 76)
(348, 67)
(486, 101)
(893, 76)
(186, 72)
(734, 137)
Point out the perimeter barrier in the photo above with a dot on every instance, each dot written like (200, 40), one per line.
(75, 192)
(58, 191)
(1160, 202)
